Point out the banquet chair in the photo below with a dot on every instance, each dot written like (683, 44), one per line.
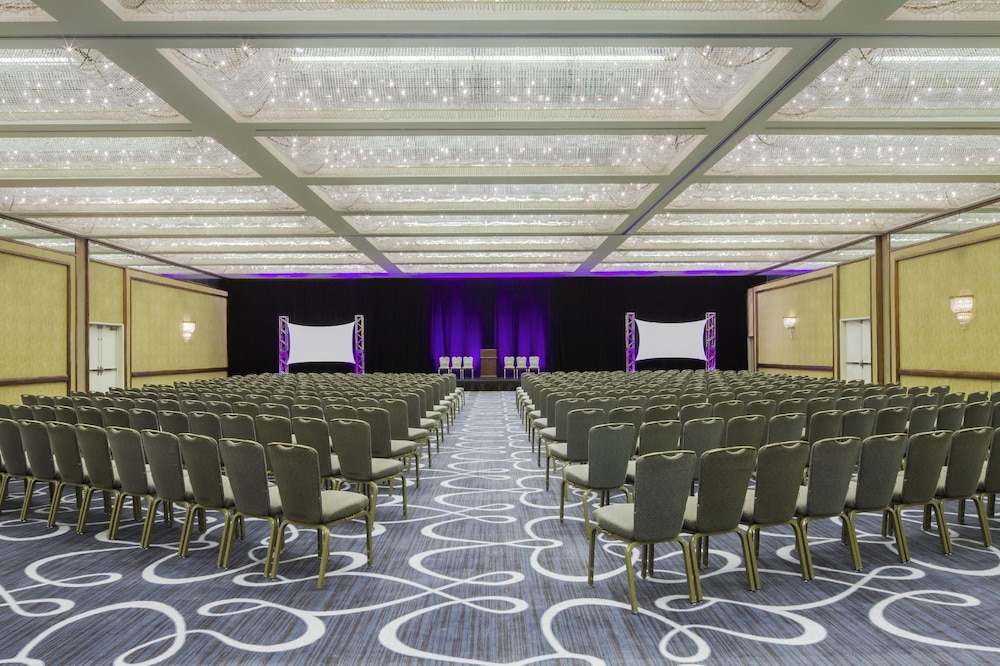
(133, 473)
(400, 429)
(655, 516)
(383, 445)
(772, 500)
(889, 420)
(574, 448)
(90, 415)
(655, 437)
(443, 365)
(765, 407)
(959, 480)
(174, 422)
(315, 433)
(989, 479)
(101, 470)
(701, 435)
(352, 442)
(305, 504)
(533, 364)
(609, 447)
(520, 365)
(275, 408)
(917, 484)
(508, 367)
(922, 419)
(872, 488)
(556, 433)
(205, 423)
(728, 409)
(238, 426)
(951, 416)
(272, 428)
(456, 365)
(253, 495)
(746, 431)
(171, 484)
(15, 463)
(211, 488)
(38, 452)
(67, 458)
(468, 364)
(143, 419)
(977, 414)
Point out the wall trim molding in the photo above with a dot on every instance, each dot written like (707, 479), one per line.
(182, 371)
(28, 381)
(956, 374)
(781, 366)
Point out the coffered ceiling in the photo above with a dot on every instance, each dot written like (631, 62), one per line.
(244, 138)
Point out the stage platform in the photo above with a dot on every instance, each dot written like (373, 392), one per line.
(494, 384)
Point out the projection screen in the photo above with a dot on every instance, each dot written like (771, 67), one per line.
(671, 340)
(321, 344)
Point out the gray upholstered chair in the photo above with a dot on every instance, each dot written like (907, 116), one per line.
(15, 463)
(211, 488)
(917, 484)
(205, 423)
(889, 420)
(922, 418)
(871, 490)
(859, 423)
(728, 409)
(718, 505)
(38, 452)
(556, 433)
(133, 474)
(609, 447)
(89, 414)
(787, 427)
(315, 433)
(701, 435)
(143, 419)
(66, 453)
(746, 430)
(102, 472)
(238, 426)
(655, 516)
(977, 414)
(305, 504)
(174, 422)
(831, 466)
(170, 482)
(951, 416)
(959, 480)
(824, 424)
(384, 446)
(575, 448)
(399, 428)
(772, 500)
(655, 437)
(253, 495)
(352, 442)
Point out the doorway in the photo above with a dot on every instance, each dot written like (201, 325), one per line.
(106, 343)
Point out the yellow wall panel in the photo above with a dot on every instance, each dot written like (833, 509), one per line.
(11, 395)
(930, 338)
(157, 312)
(811, 303)
(855, 290)
(107, 293)
(34, 318)
(170, 379)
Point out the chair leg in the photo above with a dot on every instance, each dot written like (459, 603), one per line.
(630, 572)
(562, 500)
(748, 560)
(852, 539)
(591, 541)
(904, 550)
(324, 554)
(984, 525)
(942, 527)
(54, 502)
(804, 553)
(81, 521)
(691, 569)
(276, 548)
(29, 488)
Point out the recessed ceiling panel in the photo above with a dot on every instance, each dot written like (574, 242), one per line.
(859, 155)
(189, 225)
(859, 196)
(489, 267)
(701, 267)
(885, 84)
(482, 155)
(478, 84)
(167, 246)
(499, 196)
(188, 10)
(22, 10)
(860, 222)
(119, 157)
(948, 10)
(486, 243)
(499, 256)
(143, 198)
(484, 224)
(290, 259)
(754, 242)
(74, 85)
(282, 270)
(712, 256)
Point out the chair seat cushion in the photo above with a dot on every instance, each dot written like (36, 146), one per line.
(617, 519)
(417, 434)
(559, 451)
(385, 467)
(548, 433)
(401, 447)
(341, 503)
(578, 474)
(540, 423)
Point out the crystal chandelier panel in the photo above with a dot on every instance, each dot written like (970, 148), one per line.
(902, 83)
(497, 155)
(681, 268)
(962, 222)
(836, 154)
(119, 157)
(74, 85)
(488, 267)
(486, 243)
(829, 195)
(488, 195)
(702, 256)
(741, 241)
(21, 10)
(143, 198)
(478, 84)
(484, 224)
(948, 10)
(189, 225)
(286, 270)
(483, 257)
(276, 258)
(776, 223)
(232, 245)
(342, 9)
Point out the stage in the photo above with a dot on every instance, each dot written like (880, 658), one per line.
(489, 383)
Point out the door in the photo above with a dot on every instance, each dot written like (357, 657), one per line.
(107, 352)
(856, 349)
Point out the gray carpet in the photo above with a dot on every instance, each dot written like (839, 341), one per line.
(482, 572)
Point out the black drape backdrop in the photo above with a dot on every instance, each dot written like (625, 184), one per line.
(576, 323)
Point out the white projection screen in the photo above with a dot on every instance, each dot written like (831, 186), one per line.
(321, 344)
(675, 340)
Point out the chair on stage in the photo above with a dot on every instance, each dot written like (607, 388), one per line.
(456, 364)
(520, 365)
(508, 366)
(443, 364)
(533, 364)
(467, 364)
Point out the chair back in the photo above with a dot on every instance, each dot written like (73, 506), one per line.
(695, 410)
(272, 428)
(275, 409)
(746, 430)
(922, 418)
(246, 407)
(340, 412)
(701, 435)
(846, 403)
(926, 455)
(792, 406)
(724, 477)
(764, 407)
(175, 422)
(786, 427)
(633, 401)
(126, 449)
(190, 405)
(779, 477)
(990, 481)
(605, 402)
(381, 439)
(662, 481)
(950, 416)
(167, 405)
(662, 413)
(966, 460)
(610, 445)
(89, 414)
(315, 433)
(977, 414)
(66, 452)
(203, 463)
(563, 407)
(205, 423)
(43, 413)
(11, 450)
(218, 407)
(353, 445)
(578, 425)
(728, 409)
(143, 419)
(96, 453)
(831, 466)
(859, 423)
(923, 399)
(35, 440)
(246, 469)
(659, 436)
(398, 417)
(296, 472)
(824, 425)
(881, 460)
(238, 426)
(891, 420)
(116, 416)
(313, 411)
(632, 414)
(163, 452)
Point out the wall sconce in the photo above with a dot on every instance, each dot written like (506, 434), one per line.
(187, 330)
(961, 307)
(789, 323)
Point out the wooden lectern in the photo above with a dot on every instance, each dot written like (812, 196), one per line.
(488, 363)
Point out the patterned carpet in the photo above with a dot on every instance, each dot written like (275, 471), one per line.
(482, 572)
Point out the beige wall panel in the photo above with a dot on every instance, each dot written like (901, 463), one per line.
(34, 316)
(855, 290)
(11, 395)
(811, 303)
(820, 374)
(170, 379)
(930, 338)
(107, 293)
(157, 345)
(957, 384)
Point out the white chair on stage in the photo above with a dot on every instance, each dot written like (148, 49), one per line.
(443, 364)
(520, 365)
(467, 365)
(456, 365)
(508, 365)
(533, 364)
